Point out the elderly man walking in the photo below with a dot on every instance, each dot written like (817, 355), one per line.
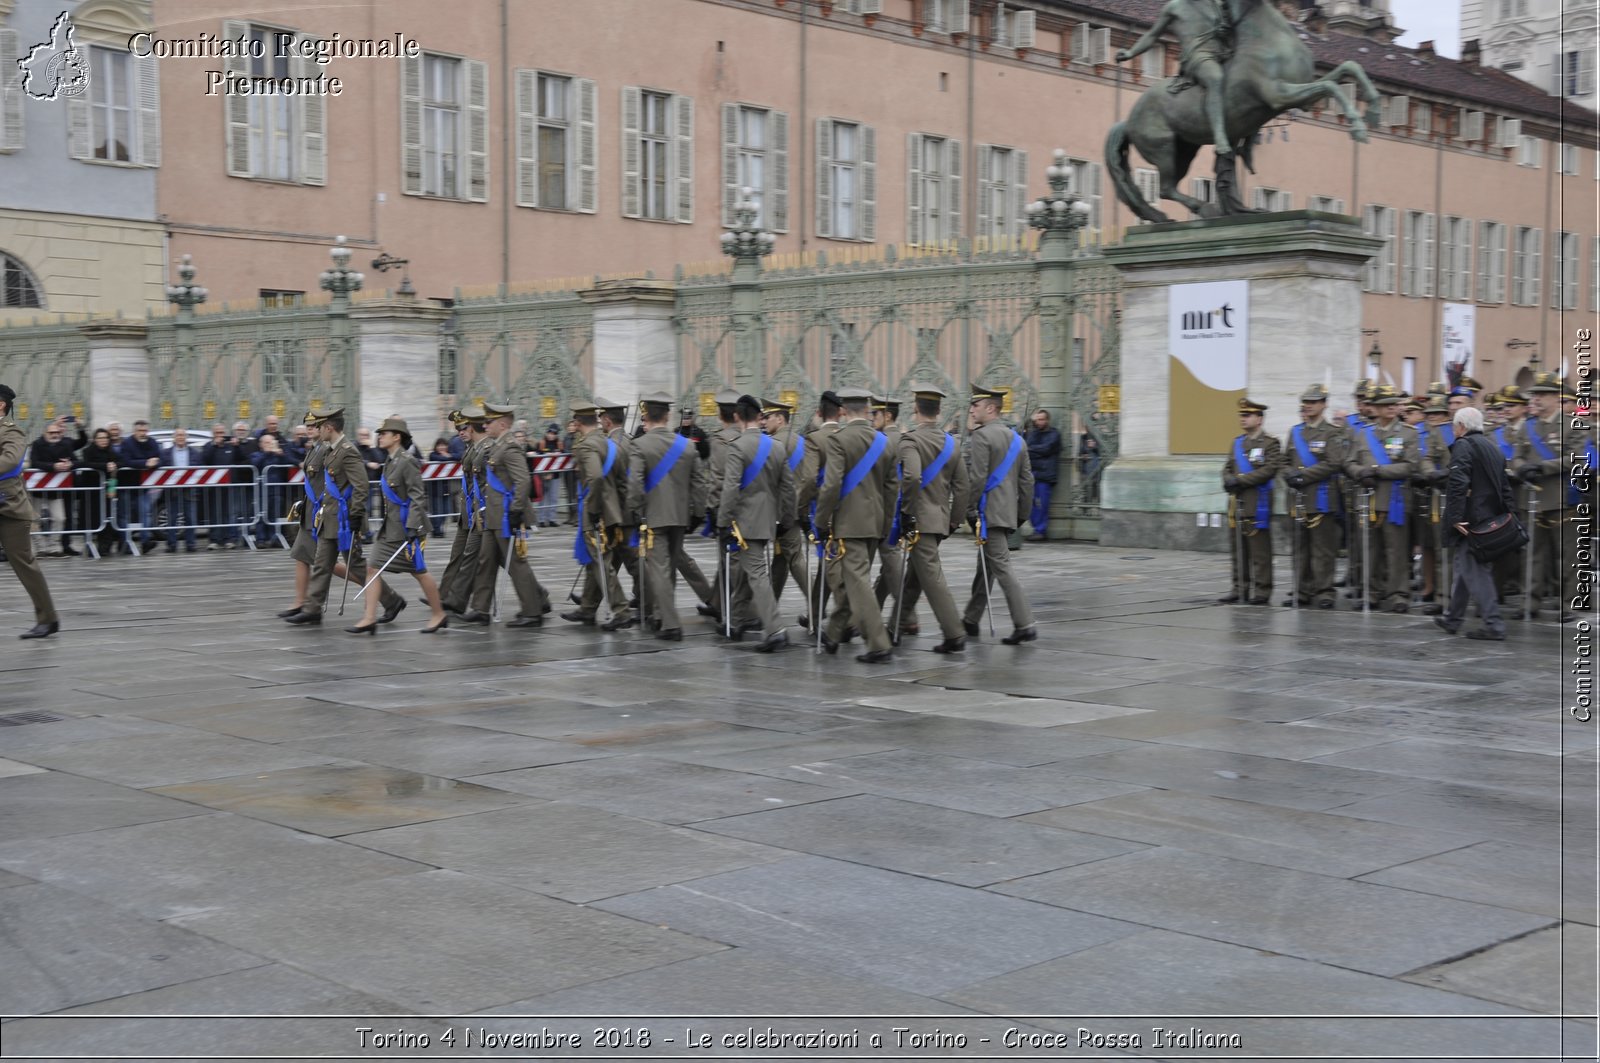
(1477, 491)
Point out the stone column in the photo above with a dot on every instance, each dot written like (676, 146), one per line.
(396, 366)
(635, 348)
(119, 373)
(1304, 269)
(1057, 250)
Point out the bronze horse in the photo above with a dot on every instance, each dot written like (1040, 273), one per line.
(1271, 71)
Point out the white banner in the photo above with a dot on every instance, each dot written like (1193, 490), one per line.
(1456, 338)
(1208, 332)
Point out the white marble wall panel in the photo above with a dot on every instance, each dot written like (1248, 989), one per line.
(119, 386)
(635, 350)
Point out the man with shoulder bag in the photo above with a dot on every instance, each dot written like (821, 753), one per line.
(1480, 524)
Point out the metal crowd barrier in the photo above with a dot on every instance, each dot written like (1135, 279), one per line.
(209, 496)
(85, 509)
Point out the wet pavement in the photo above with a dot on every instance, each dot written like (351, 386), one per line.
(1316, 834)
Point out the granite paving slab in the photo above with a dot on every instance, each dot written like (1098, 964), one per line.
(9, 879)
(568, 851)
(1242, 705)
(15, 741)
(938, 843)
(1000, 743)
(1551, 970)
(1357, 925)
(62, 949)
(1443, 761)
(1006, 709)
(1298, 741)
(447, 750)
(282, 720)
(1327, 844)
(1476, 728)
(335, 799)
(52, 803)
(12, 768)
(1482, 813)
(663, 790)
(173, 867)
(1542, 881)
(145, 760)
(467, 944)
(867, 923)
(769, 760)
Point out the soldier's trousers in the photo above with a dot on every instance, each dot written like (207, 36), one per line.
(656, 569)
(926, 576)
(495, 553)
(1350, 522)
(455, 586)
(1552, 568)
(1316, 555)
(322, 565)
(686, 567)
(789, 560)
(18, 546)
(997, 560)
(751, 587)
(1255, 546)
(610, 565)
(1389, 582)
(857, 605)
(891, 562)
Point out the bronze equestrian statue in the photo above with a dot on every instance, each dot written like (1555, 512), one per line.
(1242, 65)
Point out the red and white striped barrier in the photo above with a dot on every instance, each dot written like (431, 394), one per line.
(552, 463)
(46, 481)
(197, 477)
(441, 470)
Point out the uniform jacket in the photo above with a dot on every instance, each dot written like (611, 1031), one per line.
(939, 507)
(1511, 433)
(619, 476)
(668, 505)
(1329, 444)
(1012, 498)
(721, 440)
(755, 508)
(1477, 488)
(601, 504)
(404, 475)
(787, 440)
(312, 467)
(1265, 455)
(343, 461)
(510, 465)
(14, 502)
(807, 483)
(868, 511)
(1405, 457)
(1562, 440)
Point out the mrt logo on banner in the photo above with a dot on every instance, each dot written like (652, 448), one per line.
(1208, 344)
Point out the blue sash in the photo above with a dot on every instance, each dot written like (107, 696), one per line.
(899, 496)
(753, 470)
(1308, 459)
(1397, 498)
(653, 479)
(470, 500)
(404, 505)
(997, 476)
(853, 478)
(1354, 420)
(315, 500)
(507, 498)
(331, 487)
(580, 546)
(1448, 432)
(12, 473)
(1505, 448)
(1545, 453)
(1591, 460)
(1263, 492)
(933, 470)
(799, 453)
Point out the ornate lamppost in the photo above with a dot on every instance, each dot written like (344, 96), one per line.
(1062, 214)
(746, 242)
(186, 294)
(341, 280)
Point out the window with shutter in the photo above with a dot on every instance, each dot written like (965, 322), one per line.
(633, 152)
(11, 138)
(1455, 259)
(527, 140)
(1525, 265)
(1564, 271)
(1379, 221)
(1491, 262)
(1153, 64)
(864, 7)
(915, 191)
(1508, 131)
(1001, 183)
(951, 228)
(588, 169)
(1148, 183)
(683, 126)
(273, 152)
(869, 183)
(1329, 204)
(1422, 117)
(477, 131)
(410, 125)
(825, 183)
(777, 219)
(1204, 189)
(755, 157)
(1471, 125)
(1398, 111)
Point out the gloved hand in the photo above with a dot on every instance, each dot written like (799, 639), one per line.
(1529, 473)
(1439, 476)
(1368, 477)
(1230, 484)
(908, 523)
(518, 518)
(1296, 480)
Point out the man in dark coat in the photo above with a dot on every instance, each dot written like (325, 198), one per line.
(1477, 491)
(1044, 454)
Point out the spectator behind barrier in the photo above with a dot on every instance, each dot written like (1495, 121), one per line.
(52, 452)
(226, 510)
(1044, 456)
(442, 493)
(180, 501)
(140, 454)
(545, 509)
(273, 466)
(97, 464)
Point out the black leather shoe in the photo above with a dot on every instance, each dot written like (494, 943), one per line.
(672, 634)
(302, 617)
(1260, 599)
(970, 627)
(288, 613)
(1325, 604)
(775, 641)
(1433, 610)
(578, 617)
(574, 599)
(41, 631)
(829, 646)
(1399, 607)
(951, 646)
(804, 621)
(67, 551)
(875, 656)
(910, 629)
(1021, 635)
(706, 610)
(472, 616)
(618, 623)
(525, 621)
(389, 614)
(1228, 599)
(1445, 625)
(1483, 634)
(370, 629)
(435, 629)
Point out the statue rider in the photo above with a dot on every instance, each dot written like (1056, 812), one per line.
(1205, 33)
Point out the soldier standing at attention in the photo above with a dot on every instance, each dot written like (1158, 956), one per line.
(1382, 458)
(891, 555)
(600, 510)
(807, 488)
(756, 488)
(399, 544)
(717, 465)
(661, 478)
(1509, 567)
(1313, 461)
(342, 512)
(625, 554)
(1438, 435)
(854, 506)
(16, 522)
(506, 498)
(1545, 458)
(934, 487)
(1247, 475)
(461, 571)
(1001, 495)
(789, 548)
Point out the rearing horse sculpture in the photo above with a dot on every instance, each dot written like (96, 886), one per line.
(1271, 71)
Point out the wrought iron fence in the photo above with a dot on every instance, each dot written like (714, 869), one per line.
(47, 365)
(534, 350)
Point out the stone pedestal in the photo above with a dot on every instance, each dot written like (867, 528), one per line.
(397, 367)
(1304, 269)
(635, 347)
(119, 373)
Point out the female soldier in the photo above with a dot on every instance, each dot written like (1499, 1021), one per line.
(405, 522)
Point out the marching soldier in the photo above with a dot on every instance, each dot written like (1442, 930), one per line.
(717, 465)
(854, 506)
(1354, 423)
(789, 548)
(505, 516)
(340, 515)
(660, 481)
(891, 556)
(303, 550)
(1316, 454)
(461, 571)
(1437, 436)
(602, 465)
(699, 495)
(16, 522)
(614, 423)
(399, 545)
(756, 488)
(1550, 444)
(1382, 458)
(934, 487)
(998, 503)
(1247, 476)
(807, 488)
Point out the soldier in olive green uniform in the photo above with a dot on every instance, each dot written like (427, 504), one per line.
(1354, 423)
(506, 501)
(934, 488)
(1435, 438)
(1248, 475)
(891, 555)
(399, 544)
(789, 548)
(1550, 444)
(1313, 460)
(1382, 459)
(855, 507)
(998, 503)
(625, 552)
(303, 551)
(599, 460)
(461, 571)
(1511, 408)
(756, 488)
(716, 466)
(660, 483)
(825, 580)
(16, 522)
(339, 519)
